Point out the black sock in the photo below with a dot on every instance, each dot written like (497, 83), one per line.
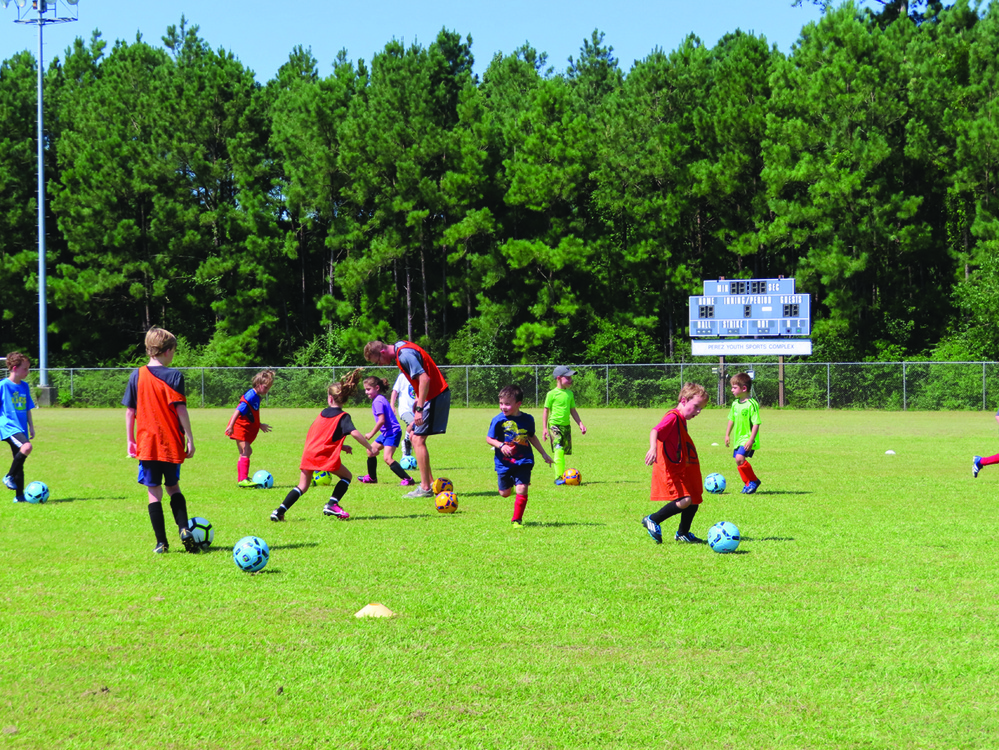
(290, 499)
(179, 507)
(686, 517)
(156, 519)
(407, 447)
(669, 509)
(17, 470)
(399, 471)
(339, 491)
(373, 467)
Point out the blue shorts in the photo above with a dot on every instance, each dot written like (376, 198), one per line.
(741, 451)
(155, 473)
(390, 440)
(510, 477)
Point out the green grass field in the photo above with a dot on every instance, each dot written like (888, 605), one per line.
(859, 612)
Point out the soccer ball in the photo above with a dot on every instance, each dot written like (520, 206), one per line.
(408, 462)
(723, 537)
(263, 479)
(572, 476)
(446, 502)
(202, 530)
(251, 554)
(714, 483)
(442, 484)
(322, 478)
(36, 492)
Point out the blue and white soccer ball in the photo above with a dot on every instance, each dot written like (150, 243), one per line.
(36, 492)
(263, 479)
(714, 483)
(251, 554)
(408, 462)
(723, 537)
(201, 529)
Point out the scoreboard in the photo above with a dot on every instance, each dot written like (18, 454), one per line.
(749, 308)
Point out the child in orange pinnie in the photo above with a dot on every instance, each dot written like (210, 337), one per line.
(245, 424)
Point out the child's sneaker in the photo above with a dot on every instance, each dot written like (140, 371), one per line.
(247, 483)
(161, 547)
(752, 487)
(559, 482)
(407, 482)
(277, 515)
(9, 483)
(653, 528)
(366, 479)
(745, 488)
(419, 492)
(689, 538)
(976, 466)
(20, 499)
(333, 509)
(516, 524)
(187, 539)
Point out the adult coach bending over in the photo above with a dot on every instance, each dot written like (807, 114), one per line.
(433, 399)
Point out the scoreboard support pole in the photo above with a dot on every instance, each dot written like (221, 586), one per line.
(780, 380)
(721, 381)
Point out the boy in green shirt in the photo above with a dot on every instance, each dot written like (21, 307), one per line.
(560, 405)
(744, 417)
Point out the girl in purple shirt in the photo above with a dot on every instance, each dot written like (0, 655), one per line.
(390, 437)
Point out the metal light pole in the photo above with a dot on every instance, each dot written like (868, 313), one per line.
(42, 13)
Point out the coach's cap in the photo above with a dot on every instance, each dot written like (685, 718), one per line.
(563, 372)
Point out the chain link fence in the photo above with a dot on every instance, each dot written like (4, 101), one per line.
(840, 385)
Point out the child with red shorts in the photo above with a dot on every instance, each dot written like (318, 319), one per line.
(245, 424)
(676, 471)
(323, 446)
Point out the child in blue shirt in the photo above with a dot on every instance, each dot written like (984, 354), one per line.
(390, 437)
(16, 427)
(511, 433)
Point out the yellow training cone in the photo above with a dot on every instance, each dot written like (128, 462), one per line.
(374, 610)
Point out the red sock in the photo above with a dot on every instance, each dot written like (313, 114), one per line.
(518, 507)
(242, 468)
(750, 472)
(746, 472)
(988, 461)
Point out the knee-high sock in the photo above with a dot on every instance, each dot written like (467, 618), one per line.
(339, 491)
(156, 519)
(17, 470)
(519, 505)
(989, 460)
(746, 473)
(686, 517)
(559, 463)
(399, 471)
(373, 467)
(178, 504)
(242, 468)
(290, 499)
(669, 509)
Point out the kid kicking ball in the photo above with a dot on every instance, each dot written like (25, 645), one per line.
(446, 502)
(442, 484)
(202, 531)
(714, 483)
(263, 479)
(36, 492)
(251, 554)
(723, 537)
(572, 476)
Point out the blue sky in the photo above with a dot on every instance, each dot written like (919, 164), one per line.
(262, 34)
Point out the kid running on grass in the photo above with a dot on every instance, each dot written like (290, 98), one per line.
(977, 462)
(245, 424)
(16, 427)
(676, 471)
(511, 433)
(744, 416)
(323, 446)
(391, 434)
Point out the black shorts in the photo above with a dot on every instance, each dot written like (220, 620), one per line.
(15, 441)
(435, 414)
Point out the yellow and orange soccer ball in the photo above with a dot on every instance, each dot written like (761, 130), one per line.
(572, 476)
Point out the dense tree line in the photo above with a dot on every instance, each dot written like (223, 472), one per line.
(521, 215)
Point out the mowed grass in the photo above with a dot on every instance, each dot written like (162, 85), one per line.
(860, 610)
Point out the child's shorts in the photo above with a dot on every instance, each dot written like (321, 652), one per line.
(560, 436)
(513, 476)
(392, 440)
(741, 451)
(155, 473)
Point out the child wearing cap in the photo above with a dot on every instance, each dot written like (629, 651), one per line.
(560, 405)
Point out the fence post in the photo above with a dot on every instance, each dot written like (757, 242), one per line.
(828, 386)
(202, 387)
(466, 387)
(983, 387)
(536, 384)
(72, 393)
(903, 388)
(607, 380)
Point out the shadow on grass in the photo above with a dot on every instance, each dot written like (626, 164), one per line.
(83, 499)
(560, 524)
(388, 518)
(768, 539)
(781, 492)
(296, 545)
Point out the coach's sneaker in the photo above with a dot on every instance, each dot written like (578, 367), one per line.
(187, 539)
(653, 528)
(334, 509)
(976, 466)
(367, 479)
(247, 483)
(10, 484)
(408, 482)
(419, 492)
(752, 487)
(689, 538)
(277, 515)
(161, 547)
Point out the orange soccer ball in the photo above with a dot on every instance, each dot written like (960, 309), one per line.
(572, 476)
(446, 502)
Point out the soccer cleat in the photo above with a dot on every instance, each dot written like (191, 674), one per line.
(247, 483)
(516, 524)
(689, 538)
(20, 499)
(407, 482)
(161, 547)
(9, 483)
(745, 489)
(419, 492)
(559, 482)
(187, 539)
(976, 466)
(752, 487)
(653, 528)
(277, 515)
(367, 479)
(333, 509)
